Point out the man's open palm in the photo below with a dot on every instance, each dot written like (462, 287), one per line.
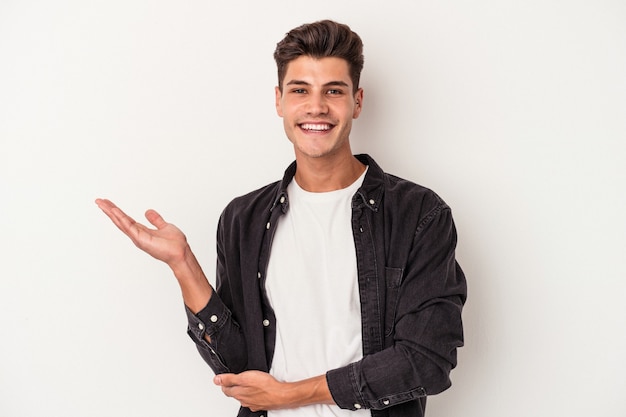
(166, 243)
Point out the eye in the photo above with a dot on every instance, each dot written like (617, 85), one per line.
(334, 92)
(298, 91)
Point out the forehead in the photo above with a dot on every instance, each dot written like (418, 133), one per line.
(318, 70)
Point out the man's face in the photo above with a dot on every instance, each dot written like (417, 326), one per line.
(317, 105)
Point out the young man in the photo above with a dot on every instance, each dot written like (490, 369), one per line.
(338, 292)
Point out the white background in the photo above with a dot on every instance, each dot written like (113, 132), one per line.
(514, 112)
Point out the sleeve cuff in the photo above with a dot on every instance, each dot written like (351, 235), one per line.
(209, 320)
(340, 384)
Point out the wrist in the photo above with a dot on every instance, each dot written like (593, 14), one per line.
(194, 285)
(185, 266)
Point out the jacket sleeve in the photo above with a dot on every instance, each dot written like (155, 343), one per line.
(427, 327)
(226, 352)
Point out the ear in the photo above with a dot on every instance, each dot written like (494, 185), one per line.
(279, 95)
(358, 103)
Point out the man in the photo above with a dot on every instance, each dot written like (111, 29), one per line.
(338, 292)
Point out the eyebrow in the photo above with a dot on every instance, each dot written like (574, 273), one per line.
(328, 84)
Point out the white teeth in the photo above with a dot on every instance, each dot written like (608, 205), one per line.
(315, 126)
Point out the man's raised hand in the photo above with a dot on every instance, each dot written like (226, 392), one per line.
(166, 243)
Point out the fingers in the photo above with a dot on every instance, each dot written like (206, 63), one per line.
(226, 382)
(232, 386)
(105, 205)
(109, 208)
(117, 216)
(122, 219)
(124, 222)
(253, 389)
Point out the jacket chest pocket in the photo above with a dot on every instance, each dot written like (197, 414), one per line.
(393, 279)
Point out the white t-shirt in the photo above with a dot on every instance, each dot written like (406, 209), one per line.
(313, 287)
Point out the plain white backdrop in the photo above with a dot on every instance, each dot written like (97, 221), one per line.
(514, 112)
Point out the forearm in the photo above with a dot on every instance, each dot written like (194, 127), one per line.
(306, 392)
(194, 285)
(388, 378)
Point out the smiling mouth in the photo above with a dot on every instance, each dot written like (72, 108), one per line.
(315, 127)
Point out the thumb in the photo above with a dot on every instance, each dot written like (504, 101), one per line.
(223, 380)
(155, 219)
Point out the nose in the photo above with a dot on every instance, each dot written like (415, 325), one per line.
(316, 104)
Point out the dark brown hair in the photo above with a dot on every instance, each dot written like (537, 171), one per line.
(322, 39)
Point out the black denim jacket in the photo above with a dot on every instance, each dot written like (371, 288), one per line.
(411, 288)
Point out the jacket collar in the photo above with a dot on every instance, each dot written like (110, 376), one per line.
(370, 193)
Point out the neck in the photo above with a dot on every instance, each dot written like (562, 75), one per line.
(318, 175)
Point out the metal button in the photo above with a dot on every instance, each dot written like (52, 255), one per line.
(258, 274)
(213, 318)
(266, 322)
(200, 326)
(372, 202)
(357, 406)
(386, 402)
(282, 200)
(267, 226)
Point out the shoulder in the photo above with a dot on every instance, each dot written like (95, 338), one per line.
(416, 208)
(405, 193)
(397, 191)
(411, 192)
(401, 198)
(253, 203)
